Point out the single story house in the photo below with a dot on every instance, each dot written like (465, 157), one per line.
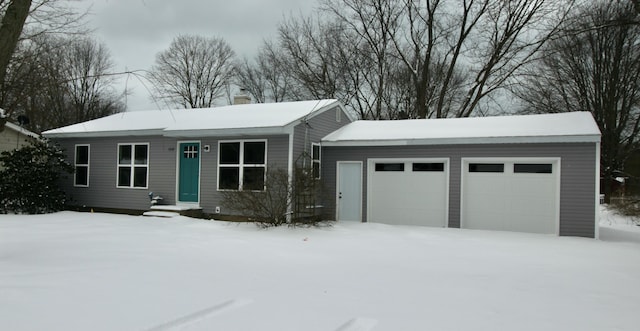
(531, 173)
(189, 156)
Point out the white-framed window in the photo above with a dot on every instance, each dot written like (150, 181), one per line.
(242, 165)
(133, 165)
(316, 159)
(81, 162)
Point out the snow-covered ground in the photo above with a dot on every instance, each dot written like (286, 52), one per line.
(84, 271)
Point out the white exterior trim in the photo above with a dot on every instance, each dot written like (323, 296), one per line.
(464, 141)
(132, 166)
(88, 165)
(241, 161)
(553, 160)
(177, 192)
(596, 233)
(21, 130)
(447, 165)
(224, 132)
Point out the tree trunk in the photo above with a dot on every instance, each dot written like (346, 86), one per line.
(10, 30)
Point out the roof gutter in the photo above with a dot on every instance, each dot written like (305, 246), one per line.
(99, 134)
(465, 141)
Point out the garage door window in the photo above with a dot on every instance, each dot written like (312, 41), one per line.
(528, 168)
(486, 167)
(428, 166)
(389, 166)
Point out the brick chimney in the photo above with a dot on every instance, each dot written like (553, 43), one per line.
(241, 98)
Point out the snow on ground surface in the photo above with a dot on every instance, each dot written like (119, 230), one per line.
(91, 271)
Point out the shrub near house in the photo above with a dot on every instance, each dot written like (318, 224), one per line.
(30, 179)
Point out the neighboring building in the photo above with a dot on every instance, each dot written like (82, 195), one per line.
(534, 173)
(13, 136)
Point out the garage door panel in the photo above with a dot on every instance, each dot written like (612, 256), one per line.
(408, 196)
(511, 200)
(487, 220)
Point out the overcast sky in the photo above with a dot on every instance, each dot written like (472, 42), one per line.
(136, 30)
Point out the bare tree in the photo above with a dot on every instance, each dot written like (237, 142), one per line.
(455, 54)
(193, 72)
(266, 77)
(311, 52)
(636, 5)
(65, 81)
(370, 24)
(14, 15)
(594, 66)
(23, 21)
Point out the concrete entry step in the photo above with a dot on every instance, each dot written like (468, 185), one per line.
(160, 213)
(172, 211)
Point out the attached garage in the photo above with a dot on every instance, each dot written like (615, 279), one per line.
(530, 173)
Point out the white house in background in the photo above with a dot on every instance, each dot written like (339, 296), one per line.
(13, 136)
(534, 173)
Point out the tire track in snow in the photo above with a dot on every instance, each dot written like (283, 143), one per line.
(358, 324)
(199, 315)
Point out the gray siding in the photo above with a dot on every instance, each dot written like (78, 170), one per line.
(277, 156)
(318, 127)
(102, 191)
(577, 185)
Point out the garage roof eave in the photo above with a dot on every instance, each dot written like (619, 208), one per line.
(466, 141)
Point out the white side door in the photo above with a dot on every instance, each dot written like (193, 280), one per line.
(349, 191)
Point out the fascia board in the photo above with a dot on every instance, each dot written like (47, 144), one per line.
(466, 141)
(104, 134)
(225, 132)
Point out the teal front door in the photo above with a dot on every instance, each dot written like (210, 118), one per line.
(189, 174)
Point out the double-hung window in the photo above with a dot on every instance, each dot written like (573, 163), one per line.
(133, 165)
(81, 163)
(315, 159)
(242, 165)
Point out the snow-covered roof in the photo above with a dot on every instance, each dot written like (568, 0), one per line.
(266, 118)
(21, 130)
(561, 127)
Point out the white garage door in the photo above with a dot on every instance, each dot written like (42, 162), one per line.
(412, 192)
(512, 195)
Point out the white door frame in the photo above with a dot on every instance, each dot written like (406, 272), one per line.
(338, 163)
(556, 161)
(177, 191)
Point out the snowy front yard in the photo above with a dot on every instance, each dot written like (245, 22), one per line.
(82, 271)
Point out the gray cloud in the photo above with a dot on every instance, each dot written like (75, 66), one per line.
(136, 30)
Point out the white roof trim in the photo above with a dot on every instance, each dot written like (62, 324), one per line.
(464, 141)
(21, 130)
(225, 132)
(97, 134)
